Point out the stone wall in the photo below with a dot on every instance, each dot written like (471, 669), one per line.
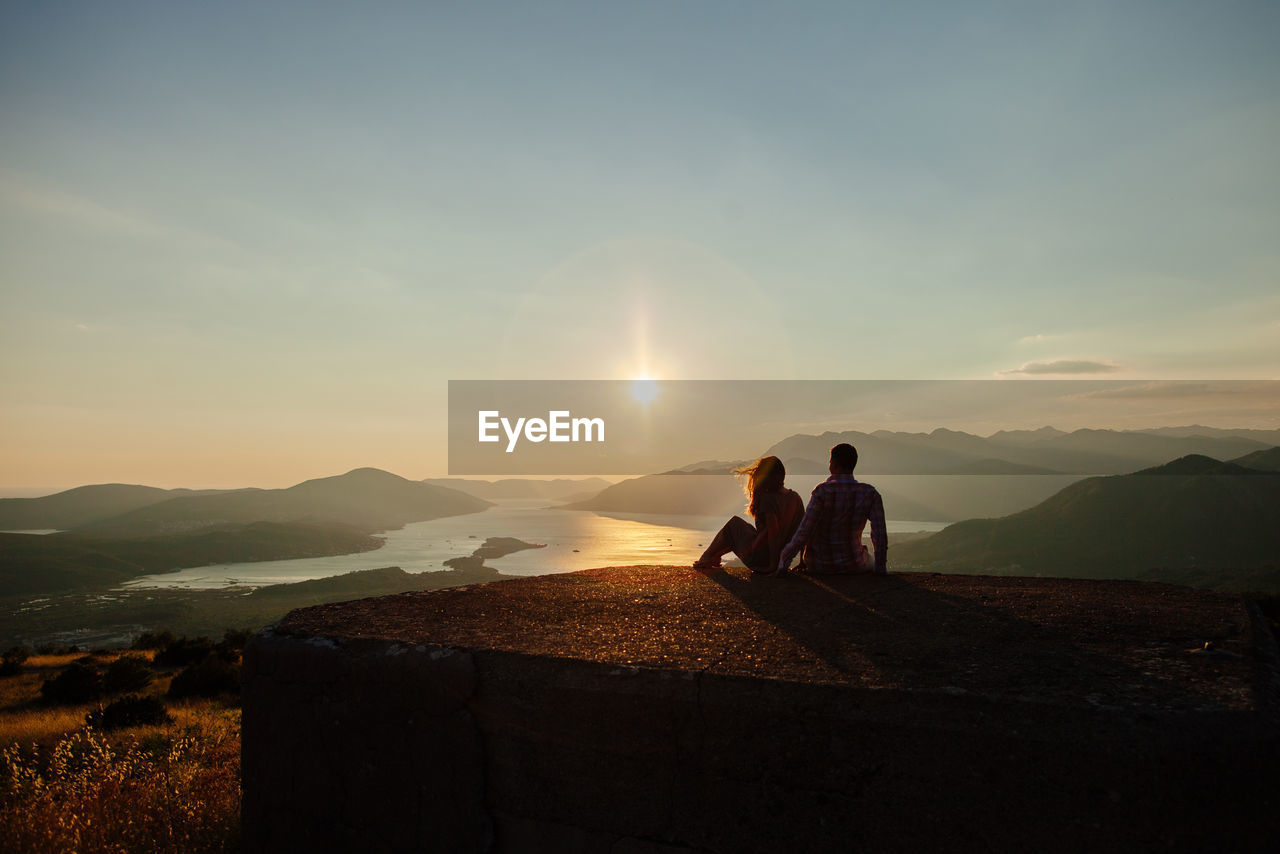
(381, 745)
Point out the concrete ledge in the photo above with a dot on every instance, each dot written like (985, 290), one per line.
(909, 713)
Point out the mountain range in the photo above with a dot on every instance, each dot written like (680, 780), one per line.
(1151, 516)
(84, 504)
(114, 532)
(366, 499)
(1044, 451)
(942, 476)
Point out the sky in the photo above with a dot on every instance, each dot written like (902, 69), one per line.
(250, 243)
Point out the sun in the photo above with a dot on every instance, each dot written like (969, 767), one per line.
(644, 389)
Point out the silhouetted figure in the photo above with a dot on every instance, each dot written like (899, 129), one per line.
(777, 511)
(831, 532)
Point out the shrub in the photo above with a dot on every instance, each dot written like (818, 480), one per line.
(154, 640)
(127, 673)
(232, 643)
(13, 660)
(55, 649)
(130, 710)
(209, 678)
(184, 651)
(78, 683)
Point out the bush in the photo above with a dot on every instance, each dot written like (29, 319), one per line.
(154, 640)
(55, 649)
(130, 710)
(13, 659)
(127, 673)
(232, 643)
(78, 683)
(209, 678)
(184, 651)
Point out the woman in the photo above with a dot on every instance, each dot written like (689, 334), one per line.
(777, 511)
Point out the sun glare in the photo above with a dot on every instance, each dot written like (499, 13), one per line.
(644, 390)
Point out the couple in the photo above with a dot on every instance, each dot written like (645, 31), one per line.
(830, 532)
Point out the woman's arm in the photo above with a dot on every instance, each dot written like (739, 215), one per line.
(801, 537)
(762, 544)
(769, 540)
(773, 532)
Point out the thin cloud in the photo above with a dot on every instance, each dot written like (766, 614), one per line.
(86, 213)
(1063, 366)
(1186, 389)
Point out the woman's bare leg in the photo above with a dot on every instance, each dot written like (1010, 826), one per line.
(730, 537)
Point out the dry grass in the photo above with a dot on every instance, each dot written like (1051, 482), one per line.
(24, 719)
(39, 725)
(172, 788)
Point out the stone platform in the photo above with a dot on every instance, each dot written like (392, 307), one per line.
(661, 709)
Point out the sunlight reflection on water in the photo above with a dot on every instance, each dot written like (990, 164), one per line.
(575, 539)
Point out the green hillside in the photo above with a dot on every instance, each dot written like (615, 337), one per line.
(1194, 512)
(1268, 460)
(31, 564)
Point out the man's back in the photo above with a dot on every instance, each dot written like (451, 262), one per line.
(839, 509)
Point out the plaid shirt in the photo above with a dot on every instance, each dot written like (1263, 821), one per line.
(839, 510)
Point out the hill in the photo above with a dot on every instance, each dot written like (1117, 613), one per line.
(1268, 460)
(366, 499)
(1192, 512)
(83, 505)
(677, 493)
(42, 564)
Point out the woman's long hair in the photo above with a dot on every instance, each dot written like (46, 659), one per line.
(763, 476)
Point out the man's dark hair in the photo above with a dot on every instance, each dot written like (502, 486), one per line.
(844, 456)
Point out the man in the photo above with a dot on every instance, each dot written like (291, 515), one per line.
(831, 531)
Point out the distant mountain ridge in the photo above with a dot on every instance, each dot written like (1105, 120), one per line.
(944, 452)
(1268, 437)
(914, 471)
(84, 504)
(366, 499)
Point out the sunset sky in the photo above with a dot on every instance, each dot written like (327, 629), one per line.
(249, 243)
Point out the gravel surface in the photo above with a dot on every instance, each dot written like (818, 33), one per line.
(1061, 641)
